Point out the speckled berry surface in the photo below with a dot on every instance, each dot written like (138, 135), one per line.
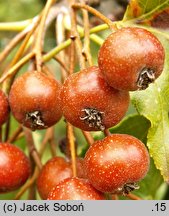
(75, 189)
(4, 108)
(88, 89)
(54, 171)
(34, 91)
(14, 167)
(116, 160)
(126, 52)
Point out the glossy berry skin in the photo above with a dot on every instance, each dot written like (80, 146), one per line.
(86, 92)
(4, 108)
(14, 167)
(128, 55)
(116, 161)
(35, 100)
(54, 171)
(80, 168)
(75, 189)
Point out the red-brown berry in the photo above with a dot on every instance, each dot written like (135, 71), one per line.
(35, 100)
(89, 103)
(75, 189)
(4, 108)
(131, 58)
(14, 167)
(116, 163)
(54, 171)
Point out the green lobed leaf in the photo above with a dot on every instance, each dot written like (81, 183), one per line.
(145, 9)
(153, 103)
(134, 124)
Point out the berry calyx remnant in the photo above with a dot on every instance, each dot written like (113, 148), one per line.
(131, 58)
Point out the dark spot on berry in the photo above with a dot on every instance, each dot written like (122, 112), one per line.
(93, 118)
(35, 119)
(127, 188)
(146, 77)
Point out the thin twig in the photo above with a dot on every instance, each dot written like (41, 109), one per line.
(95, 13)
(21, 135)
(71, 142)
(13, 70)
(72, 45)
(81, 57)
(63, 65)
(114, 197)
(24, 44)
(86, 50)
(133, 196)
(45, 140)
(18, 38)
(107, 132)
(88, 137)
(66, 43)
(36, 170)
(72, 58)
(60, 37)
(32, 148)
(14, 26)
(25, 26)
(31, 189)
(75, 37)
(16, 133)
(0, 134)
(96, 39)
(27, 184)
(47, 71)
(49, 55)
(18, 55)
(38, 46)
(70, 133)
(52, 142)
(32, 192)
(12, 44)
(7, 128)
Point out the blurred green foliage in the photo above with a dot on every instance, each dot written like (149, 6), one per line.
(16, 10)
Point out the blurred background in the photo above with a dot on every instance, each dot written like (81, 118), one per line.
(17, 10)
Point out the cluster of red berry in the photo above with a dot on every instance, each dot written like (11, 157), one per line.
(93, 99)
